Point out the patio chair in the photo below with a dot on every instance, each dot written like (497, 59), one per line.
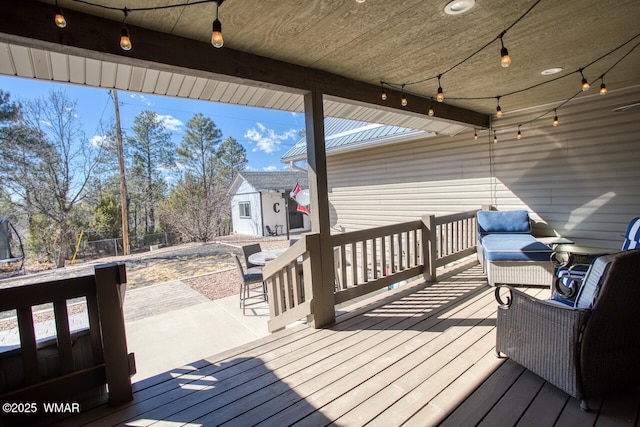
(7, 244)
(270, 231)
(586, 350)
(569, 276)
(247, 251)
(248, 290)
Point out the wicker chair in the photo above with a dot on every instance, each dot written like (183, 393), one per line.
(587, 350)
(247, 251)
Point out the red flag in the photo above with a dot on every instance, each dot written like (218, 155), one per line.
(303, 209)
(295, 191)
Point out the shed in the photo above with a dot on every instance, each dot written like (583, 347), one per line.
(261, 199)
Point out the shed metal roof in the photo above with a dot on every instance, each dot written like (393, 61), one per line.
(275, 181)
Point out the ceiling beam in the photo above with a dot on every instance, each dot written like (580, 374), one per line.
(30, 23)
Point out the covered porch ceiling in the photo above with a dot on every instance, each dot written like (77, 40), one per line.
(274, 52)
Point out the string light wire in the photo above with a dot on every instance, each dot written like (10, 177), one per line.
(402, 86)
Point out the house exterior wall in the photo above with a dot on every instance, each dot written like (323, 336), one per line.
(273, 218)
(579, 180)
(253, 225)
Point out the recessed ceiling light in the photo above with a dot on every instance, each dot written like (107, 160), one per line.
(550, 71)
(459, 6)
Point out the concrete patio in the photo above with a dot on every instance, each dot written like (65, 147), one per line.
(171, 325)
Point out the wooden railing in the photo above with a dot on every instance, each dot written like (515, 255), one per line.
(289, 279)
(108, 362)
(368, 260)
(365, 261)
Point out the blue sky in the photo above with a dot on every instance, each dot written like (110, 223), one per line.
(265, 134)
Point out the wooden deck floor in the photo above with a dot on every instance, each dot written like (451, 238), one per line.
(423, 359)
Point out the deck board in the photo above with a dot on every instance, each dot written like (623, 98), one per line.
(425, 358)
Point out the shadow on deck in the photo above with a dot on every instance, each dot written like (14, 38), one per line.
(424, 357)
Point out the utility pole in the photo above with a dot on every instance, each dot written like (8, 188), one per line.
(123, 180)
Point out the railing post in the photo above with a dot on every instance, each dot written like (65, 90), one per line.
(429, 247)
(110, 278)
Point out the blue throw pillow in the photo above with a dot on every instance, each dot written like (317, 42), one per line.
(503, 222)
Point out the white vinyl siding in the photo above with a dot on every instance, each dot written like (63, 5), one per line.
(579, 180)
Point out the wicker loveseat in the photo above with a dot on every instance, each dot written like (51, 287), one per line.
(587, 350)
(509, 253)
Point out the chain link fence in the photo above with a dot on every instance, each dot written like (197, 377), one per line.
(113, 247)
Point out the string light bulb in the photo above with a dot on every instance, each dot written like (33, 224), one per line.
(505, 59)
(216, 31)
(383, 95)
(498, 109)
(440, 95)
(585, 82)
(59, 17)
(555, 118)
(431, 110)
(125, 40)
(495, 137)
(475, 135)
(603, 87)
(403, 101)
(519, 135)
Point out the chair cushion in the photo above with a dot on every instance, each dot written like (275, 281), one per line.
(253, 277)
(590, 288)
(632, 236)
(514, 247)
(503, 222)
(255, 270)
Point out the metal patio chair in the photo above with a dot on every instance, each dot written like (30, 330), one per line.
(248, 288)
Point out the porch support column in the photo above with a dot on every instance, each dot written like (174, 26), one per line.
(323, 310)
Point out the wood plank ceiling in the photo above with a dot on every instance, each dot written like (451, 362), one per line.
(393, 41)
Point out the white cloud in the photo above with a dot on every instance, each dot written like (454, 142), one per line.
(142, 99)
(170, 122)
(98, 141)
(270, 168)
(268, 140)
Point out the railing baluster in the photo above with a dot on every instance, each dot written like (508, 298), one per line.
(374, 258)
(392, 261)
(63, 336)
(408, 249)
(383, 252)
(31, 370)
(354, 264)
(365, 261)
(343, 266)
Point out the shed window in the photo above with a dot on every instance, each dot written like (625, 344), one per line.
(245, 209)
